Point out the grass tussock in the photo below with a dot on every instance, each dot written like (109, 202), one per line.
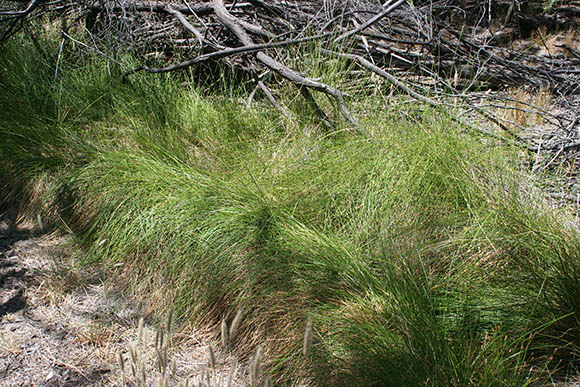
(419, 255)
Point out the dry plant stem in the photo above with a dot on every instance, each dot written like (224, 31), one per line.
(574, 53)
(188, 26)
(158, 6)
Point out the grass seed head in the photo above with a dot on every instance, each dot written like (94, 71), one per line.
(143, 374)
(224, 333)
(235, 324)
(140, 331)
(268, 382)
(161, 338)
(157, 346)
(169, 320)
(212, 361)
(233, 369)
(208, 377)
(307, 337)
(255, 367)
(121, 362)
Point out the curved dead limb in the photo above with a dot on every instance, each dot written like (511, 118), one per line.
(260, 85)
(302, 81)
(271, 98)
(413, 39)
(224, 52)
(241, 30)
(399, 84)
(29, 7)
(153, 6)
(228, 20)
(200, 38)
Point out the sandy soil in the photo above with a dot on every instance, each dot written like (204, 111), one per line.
(61, 326)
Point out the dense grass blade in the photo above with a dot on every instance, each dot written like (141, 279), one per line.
(423, 254)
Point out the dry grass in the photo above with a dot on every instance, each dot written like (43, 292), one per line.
(221, 369)
(523, 108)
(550, 45)
(75, 327)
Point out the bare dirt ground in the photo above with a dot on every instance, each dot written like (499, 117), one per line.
(61, 326)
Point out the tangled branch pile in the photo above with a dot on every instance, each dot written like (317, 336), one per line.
(442, 52)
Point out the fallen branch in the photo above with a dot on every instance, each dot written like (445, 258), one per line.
(372, 21)
(232, 24)
(430, 50)
(226, 52)
(29, 7)
(399, 84)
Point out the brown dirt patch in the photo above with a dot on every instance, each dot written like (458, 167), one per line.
(61, 326)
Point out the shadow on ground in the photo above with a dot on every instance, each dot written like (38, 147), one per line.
(13, 278)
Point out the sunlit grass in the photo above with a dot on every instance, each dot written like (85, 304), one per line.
(422, 254)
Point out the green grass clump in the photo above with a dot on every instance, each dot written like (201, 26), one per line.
(422, 253)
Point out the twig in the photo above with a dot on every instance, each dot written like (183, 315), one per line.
(188, 25)
(414, 94)
(225, 53)
(369, 23)
(29, 7)
(231, 23)
(271, 98)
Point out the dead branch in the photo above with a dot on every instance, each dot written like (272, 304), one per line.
(29, 7)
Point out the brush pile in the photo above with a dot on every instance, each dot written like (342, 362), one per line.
(460, 54)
